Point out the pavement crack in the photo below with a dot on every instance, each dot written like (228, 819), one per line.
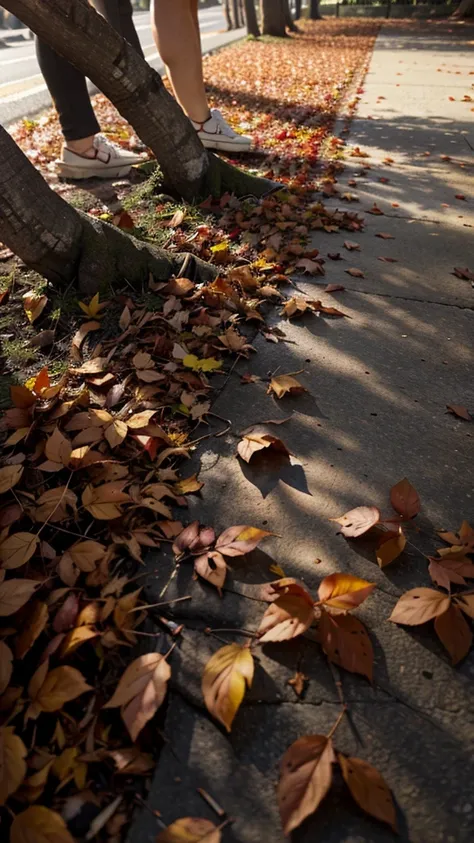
(410, 298)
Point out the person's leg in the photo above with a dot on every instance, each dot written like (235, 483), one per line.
(176, 34)
(119, 13)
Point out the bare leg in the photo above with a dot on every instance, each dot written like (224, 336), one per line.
(176, 33)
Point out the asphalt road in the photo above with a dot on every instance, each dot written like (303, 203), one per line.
(23, 91)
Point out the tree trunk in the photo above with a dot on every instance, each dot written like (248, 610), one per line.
(464, 10)
(314, 12)
(236, 14)
(251, 18)
(65, 245)
(273, 18)
(228, 15)
(74, 29)
(290, 24)
(297, 9)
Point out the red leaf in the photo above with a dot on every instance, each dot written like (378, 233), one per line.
(454, 633)
(404, 499)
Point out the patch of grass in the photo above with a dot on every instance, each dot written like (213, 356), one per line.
(17, 353)
(58, 367)
(143, 191)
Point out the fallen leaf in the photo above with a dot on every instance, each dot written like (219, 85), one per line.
(356, 273)
(82, 332)
(208, 364)
(404, 499)
(334, 288)
(283, 384)
(454, 633)
(358, 521)
(60, 685)
(6, 667)
(188, 485)
(305, 778)
(12, 763)
(236, 541)
(385, 236)
(253, 442)
(346, 642)
(14, 594)
(17, 549)
(34, 304)
(419, 605)
(22, 397)
(190, 830)
(53, 505)
(459, 411)
(290, 615)
(94, 307)
(351, 246)
(38, 617)
(344, 592)
(368, 789)
(226, 676)
(116, 432)
(9, 477)
(141, 691)
(212, 567)
(39, 825)
(391, 545)
(298, 682)
(103, 502)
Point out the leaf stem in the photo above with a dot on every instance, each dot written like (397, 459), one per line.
(338, 721)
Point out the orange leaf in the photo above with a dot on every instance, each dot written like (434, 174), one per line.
(369, 789)
(305, 778)
(190, 830)
(22, 397)
(404, 499)
(226, 676)
(42, 381)
(289, 616)
(60, 686)
(343, 592)
(390, 547)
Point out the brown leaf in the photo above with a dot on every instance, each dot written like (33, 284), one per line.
(58, 448)
(226, 676)
(356, 273)
(14, 594)
(85, 555)
(346, 642)
(190, 830)
(67, 614)
(17, 549)
(351, 246)
(305, 778)
(459, 411)
(103, 502)
(369, 789)
(37, 619)
(334, 288)
(253, 442)
(290, 615)
(39, 825)
(34, 304)
(283, 384)
(343, 592)
(81, 334)
(6, 666)
(130, 761)
(22, 397)
(298, 682)
(309, 266)
(358, 521)
(9, 477)
(384, 236)
(241, 539)
(12, 762)
(53, 505)
(454, 633)
(391, 545)
(211, 567)
(91, 367)
(116, 432)
(141, 691)
(404, 499)
(420, 605)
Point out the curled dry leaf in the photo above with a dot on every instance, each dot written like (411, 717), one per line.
(343, 592)
(141, 691)
(17, 549)
(454, 633)
(305, 778)
(253, 442)
(369, 789)
(459, 411)
(346, 642)
(420, 605)
(285, 384)
(190, 830)
(211, 567)
(358, 521)
(226, 676)
(291, 614)
(404, 499)
(12, 762)
(391, 545)
(194, 539)
(81, 334)
(40, 825)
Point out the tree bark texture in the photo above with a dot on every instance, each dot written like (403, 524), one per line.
(274, 18)
(236, 14)
(251, 18)
(67, 246)
(75, 30)
(314, 12)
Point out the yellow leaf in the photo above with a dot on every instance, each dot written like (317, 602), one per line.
(116, 432)
(226, 675)
(93, 308)
(283, 384)
(60, 686)
(186, 486)
(17, 549)
(39, 825)
(207, 364)
(344, 592)
(75, 638)
(190, 830)
(390, 548)
(12, 762)
(141, 691)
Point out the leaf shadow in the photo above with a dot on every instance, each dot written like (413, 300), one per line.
(269, 467)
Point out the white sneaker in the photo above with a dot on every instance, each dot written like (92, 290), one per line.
(110, 161)
(216, 133)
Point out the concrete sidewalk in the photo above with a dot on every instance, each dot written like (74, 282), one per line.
(378, 388)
